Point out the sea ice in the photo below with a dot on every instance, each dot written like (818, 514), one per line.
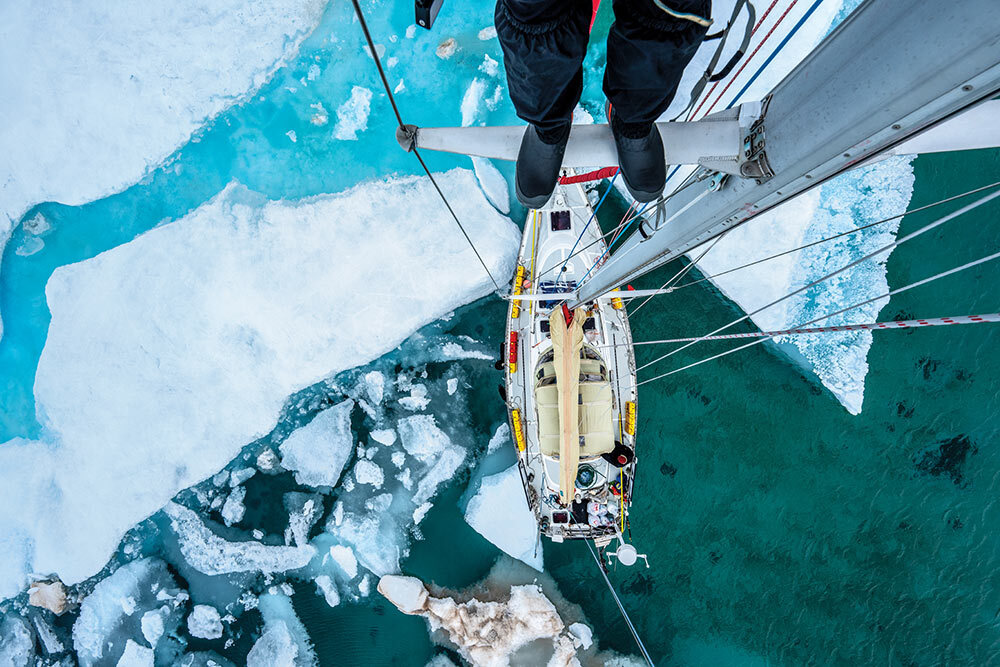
(284, 641)
(383, 436)
(84, 117)
(17, 646)
(166, 355)
(325, 585)
(136, 655)
(493, 183)
(366, 472)
(317, 452)
(233, 509)
(210, 554)
(488, 632)
(204, 622)
(500, 513)
(352, 115)
(112, 615)
(344, 557)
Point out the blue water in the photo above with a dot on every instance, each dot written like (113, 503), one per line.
(780, 529)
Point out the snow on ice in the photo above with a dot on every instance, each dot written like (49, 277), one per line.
(115, 612)
(352, 115)
(317, 452)
(61, 138)
(160, 393)
(210, 554)
(284, 641)
(517, 534)
(204, 622)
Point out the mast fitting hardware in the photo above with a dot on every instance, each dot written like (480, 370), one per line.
(406, 135)
(753, 158)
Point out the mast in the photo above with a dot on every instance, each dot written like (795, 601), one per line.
(891, 70)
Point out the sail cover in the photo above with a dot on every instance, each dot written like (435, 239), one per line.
(567, 341)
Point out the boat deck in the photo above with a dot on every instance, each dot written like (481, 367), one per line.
(601, 508)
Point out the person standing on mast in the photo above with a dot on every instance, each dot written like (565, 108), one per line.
(544, 43)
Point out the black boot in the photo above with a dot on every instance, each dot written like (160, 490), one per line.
(640, 157)
(538, 164)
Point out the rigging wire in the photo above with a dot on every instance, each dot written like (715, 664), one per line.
(888, 294)
(840, 235)
(604, 237)
(670, 282)
(926, 228)
(402, 125)
(622, 229)
(611, 186)
(621, 607)
(833, 328)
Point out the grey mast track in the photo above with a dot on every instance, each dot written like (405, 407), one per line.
(891, 70)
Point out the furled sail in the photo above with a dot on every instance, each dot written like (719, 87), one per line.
(567, 342)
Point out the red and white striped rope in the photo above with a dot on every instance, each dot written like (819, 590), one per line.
(897, 324)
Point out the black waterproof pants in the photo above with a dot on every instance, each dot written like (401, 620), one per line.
(544, 42)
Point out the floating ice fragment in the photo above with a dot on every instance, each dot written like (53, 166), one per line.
(292, 136)
(318, 451)
(452, 386)
(320, 117)
(210, 554)
(500, 437)
(417, 400)
(152, 624)
(237, 477)
(352, 115)
(204, 622)
(327, 588)
(374, 386)
(400, 87)
(517, 533)
(233, 509)
(489, 67)
(489, 32)
(284, 642)
(136, 655)
(525, 618)
(344, 557)
(583, 636)
(366, 472)
(313, 72)
(447, 48)
(385, 436)
(411, 31)
(421, 512)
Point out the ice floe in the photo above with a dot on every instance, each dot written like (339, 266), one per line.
(352, 115)
(284, 641)
(204, 622)
(499, 512)
(84, 116)
(489, 632)
(115, 612)
(168, 354)
(317, 452)
(210, 554)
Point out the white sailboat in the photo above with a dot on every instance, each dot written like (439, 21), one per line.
(892, 78)
(570, 378)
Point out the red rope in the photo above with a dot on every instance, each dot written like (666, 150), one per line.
(750, 57)
(606, 172)
(752, 33)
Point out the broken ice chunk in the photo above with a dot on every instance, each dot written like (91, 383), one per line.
(204, 622)
(367, 472)
(210, 554)
(318, 451)
(233, 509)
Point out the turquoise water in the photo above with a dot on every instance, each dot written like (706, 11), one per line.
(779, 528)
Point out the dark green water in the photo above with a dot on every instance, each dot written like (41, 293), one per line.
(780, 529)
